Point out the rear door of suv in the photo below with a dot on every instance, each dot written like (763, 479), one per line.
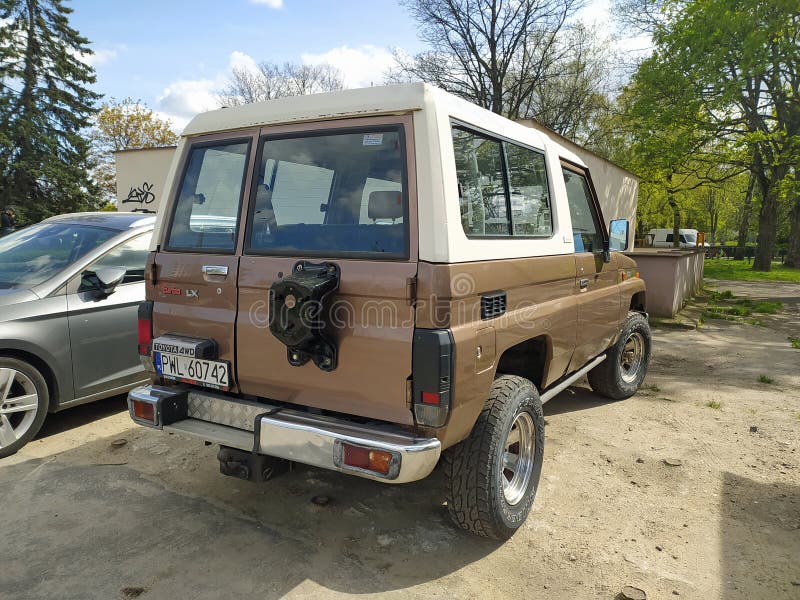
(193, 284)
(343, 193)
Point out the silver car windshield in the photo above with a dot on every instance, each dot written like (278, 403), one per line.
(33, 255)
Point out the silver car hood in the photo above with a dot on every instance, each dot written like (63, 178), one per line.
(9, 296)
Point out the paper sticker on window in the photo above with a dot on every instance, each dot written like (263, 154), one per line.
(373, 139)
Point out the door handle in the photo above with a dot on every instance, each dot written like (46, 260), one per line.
(209, 270)
(584, 283)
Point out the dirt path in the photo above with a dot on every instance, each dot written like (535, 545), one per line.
(155, 519)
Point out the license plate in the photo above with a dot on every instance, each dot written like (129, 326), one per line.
(208, 373)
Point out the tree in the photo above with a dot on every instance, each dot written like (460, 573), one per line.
(495, 53)
(45, 105)
(739, 61)
(269, 81)
(124, 125)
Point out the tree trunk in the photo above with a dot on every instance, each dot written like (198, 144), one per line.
(744, 224)
(793, 254)
(767, 226)
(676, 220)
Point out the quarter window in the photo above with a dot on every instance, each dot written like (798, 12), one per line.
(586, 231)
(530, 196)
(206, 213)
(502, 187)
(481, 187)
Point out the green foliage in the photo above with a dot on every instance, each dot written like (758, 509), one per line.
(795, 342)
(124, 125)
(45, 104)
(765, 379)
(713, 404)
(739, 270)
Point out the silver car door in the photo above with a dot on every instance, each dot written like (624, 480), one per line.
(103, 329)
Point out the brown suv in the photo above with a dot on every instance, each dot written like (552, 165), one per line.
(371, 280)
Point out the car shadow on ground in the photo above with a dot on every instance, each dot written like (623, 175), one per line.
(759, 538)
(156, 517)
(77, 416)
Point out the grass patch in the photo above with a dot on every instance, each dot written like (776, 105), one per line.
(740, 270)
(795, 342)
(767, 307)
(713, 404)
(765, 379)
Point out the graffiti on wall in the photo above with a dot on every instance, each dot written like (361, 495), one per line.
(142, 196)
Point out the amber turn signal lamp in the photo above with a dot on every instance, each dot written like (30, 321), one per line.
(368, 459)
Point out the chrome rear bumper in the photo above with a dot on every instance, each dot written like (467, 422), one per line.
(293, 435)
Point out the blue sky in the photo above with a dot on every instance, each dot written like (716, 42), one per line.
(175, 55)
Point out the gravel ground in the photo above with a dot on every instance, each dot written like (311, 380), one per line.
(689, 489)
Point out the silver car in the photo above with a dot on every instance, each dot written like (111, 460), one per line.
(70, 287)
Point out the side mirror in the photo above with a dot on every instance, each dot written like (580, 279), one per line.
(103, 280)
(618, 235)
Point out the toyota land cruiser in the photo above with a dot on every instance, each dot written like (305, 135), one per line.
(375, 280)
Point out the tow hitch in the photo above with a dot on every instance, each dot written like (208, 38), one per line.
(250, 467)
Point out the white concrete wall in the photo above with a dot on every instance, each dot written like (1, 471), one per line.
(141, 176)
(617, 189)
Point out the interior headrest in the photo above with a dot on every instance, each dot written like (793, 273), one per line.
(385, 205)
(263, 197)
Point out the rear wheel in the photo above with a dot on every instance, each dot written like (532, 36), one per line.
(23, 404)
(493, 474)
(621, 374)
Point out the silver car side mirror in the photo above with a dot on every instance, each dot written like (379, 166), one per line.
(103, 280)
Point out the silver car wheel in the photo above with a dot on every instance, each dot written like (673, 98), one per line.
(518, 457)
(19, 403)
(630, 359)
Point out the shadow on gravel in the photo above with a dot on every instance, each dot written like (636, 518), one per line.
(574, 399)
(70, 418)
(147, 522)
(760, 536)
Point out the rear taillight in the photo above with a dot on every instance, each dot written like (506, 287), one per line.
(145, 327)
(432, 374)
(146, 411)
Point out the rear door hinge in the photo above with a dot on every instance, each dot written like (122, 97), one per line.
(411, 290)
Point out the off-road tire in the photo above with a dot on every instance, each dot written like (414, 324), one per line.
(610, 378)
(474, 468)
(43, 402)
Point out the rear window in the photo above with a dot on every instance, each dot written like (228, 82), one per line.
(206, 212)
(331, 194)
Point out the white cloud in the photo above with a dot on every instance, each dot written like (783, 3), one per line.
(183, 99)
(101, 56)
(269, 3)
(361, 67)
(241, 60)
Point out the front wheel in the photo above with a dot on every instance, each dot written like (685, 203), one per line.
(492, 476)
(621, 374)
(23, 404)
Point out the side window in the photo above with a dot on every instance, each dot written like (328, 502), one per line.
(207, 208)
(586, 231)
(530, 196)
(131, 254)
(481, 189)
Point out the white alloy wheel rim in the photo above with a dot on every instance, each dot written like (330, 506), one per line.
(19, 403)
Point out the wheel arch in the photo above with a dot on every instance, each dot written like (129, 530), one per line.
(529, 358)
(54, 387)
(639, 302)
